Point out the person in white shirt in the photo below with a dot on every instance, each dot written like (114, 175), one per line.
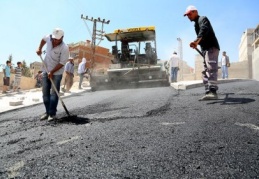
(224, 65)
(57, 53)
(174, 67)
(81, 71)
(69, 70)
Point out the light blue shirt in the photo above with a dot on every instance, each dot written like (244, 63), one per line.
(69, 67)
(7, 71)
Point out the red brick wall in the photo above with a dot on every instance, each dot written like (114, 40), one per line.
(102, 56)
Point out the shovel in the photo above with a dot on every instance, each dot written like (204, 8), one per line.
(55, 89)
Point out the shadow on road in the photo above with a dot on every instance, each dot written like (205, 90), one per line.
(231, 100)
(73, 120)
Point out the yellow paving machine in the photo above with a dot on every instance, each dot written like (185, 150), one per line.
(135, 61)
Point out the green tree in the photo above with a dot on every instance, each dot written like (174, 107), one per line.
(26, 69)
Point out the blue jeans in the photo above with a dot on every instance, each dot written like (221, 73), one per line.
(174, 71)
(224, 69)
(50, 98)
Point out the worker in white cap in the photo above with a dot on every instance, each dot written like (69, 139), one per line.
(69, 74)
(174, 67)
(81, 71)
(57, 53)
(208, 42)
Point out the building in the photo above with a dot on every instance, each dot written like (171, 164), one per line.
(245, 46)
(246, 49)
(83, 49)
(35, 67)
(255, 54)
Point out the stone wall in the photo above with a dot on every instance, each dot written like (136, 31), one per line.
(26, 82)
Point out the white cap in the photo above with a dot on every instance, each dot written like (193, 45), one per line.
(57, 33)
(189, 9)
(70, 58)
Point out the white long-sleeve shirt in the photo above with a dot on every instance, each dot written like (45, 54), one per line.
(174, 61)
(81, 66)
(223, 61)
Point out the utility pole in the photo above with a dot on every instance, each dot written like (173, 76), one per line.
(96, 34)
(180, 48)
(180, 52)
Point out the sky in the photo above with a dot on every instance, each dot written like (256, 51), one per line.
(25, 22)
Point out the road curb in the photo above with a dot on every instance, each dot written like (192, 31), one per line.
(38, 103)
(183, 86)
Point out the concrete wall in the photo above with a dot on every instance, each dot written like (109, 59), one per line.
(188, 77)
(237, 70)
(255, 64)
(198, 67)
(29, 83)
(185, 71)
(26, 82)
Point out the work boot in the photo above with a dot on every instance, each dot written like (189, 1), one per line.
(209, 96)
(44, 116)
(52, 118)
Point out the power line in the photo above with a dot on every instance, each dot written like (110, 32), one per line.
(96, 34)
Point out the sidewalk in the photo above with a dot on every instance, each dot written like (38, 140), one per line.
(15, 100)
(22, 99)
(184, 85)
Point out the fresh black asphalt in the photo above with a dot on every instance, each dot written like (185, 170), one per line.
(137, 133)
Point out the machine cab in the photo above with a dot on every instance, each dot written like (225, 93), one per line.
(134, 46)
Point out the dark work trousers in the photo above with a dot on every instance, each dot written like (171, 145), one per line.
(210, 73)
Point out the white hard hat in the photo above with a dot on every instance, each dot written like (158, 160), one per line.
(57, 33)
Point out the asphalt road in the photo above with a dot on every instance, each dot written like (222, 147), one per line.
(137, 133)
